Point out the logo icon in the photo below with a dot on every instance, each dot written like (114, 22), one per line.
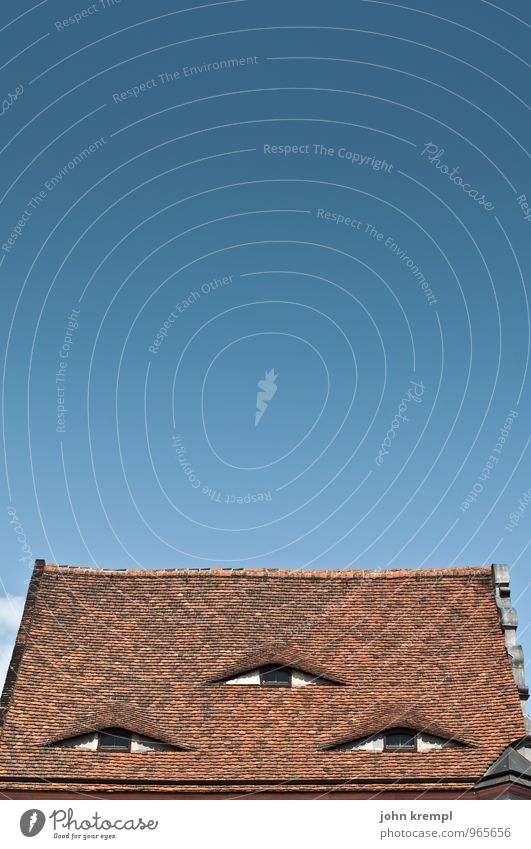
(268, 388)
(31, 822)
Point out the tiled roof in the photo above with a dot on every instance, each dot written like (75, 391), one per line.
(141, 648)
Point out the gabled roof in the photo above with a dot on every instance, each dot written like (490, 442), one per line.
(423, 644)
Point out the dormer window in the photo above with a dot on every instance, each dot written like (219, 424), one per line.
(275, 676)
(115, 740)
(398, 740)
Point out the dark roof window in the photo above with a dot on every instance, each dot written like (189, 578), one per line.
(273, 675)
(114, 740)
(400, 741)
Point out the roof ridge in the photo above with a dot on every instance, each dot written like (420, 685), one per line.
(261, 572)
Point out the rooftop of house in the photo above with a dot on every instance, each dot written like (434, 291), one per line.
(151, 651)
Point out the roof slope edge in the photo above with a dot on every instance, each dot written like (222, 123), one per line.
(21, 640)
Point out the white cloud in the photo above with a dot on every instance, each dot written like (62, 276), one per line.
(11, 607)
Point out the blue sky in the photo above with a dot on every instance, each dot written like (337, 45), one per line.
(318, 207)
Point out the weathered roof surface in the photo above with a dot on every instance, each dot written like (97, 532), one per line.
(142, 648)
